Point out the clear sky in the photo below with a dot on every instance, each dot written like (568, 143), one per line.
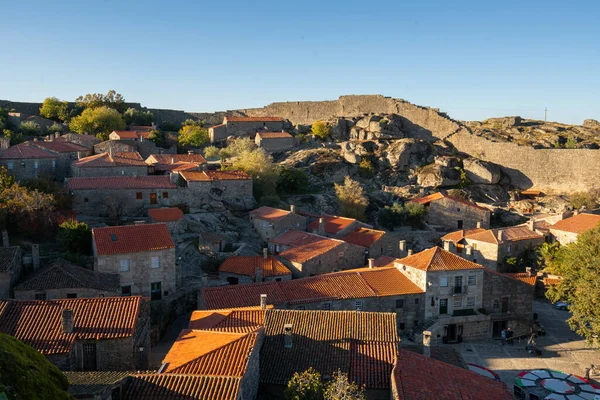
(472, 59)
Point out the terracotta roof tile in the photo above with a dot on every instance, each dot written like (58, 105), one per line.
(386, 261)
(364, 237)
(131, 238)
(461, 234)
(440, 195)
(269, 213)
(175, 162)
(200, 176)
(166, 214)
(217, 126)
(273, 135)
(247, 266)
(104, 160)
(296, 238)
(62, 274)
(333, 224)
(252, 119)
(241, 320)
(133, 134)
(176, 387)
(341, 285)
(121, 182)
(417, 377)
(371, 363)
(508, 234)
(39, 323)
(26, 150)
(386, 281)
(530, 279)
(437, 259)
(578, 223)
(88, 383)
(8, 257)
(306, 252)
(61, 147)
(248, 295)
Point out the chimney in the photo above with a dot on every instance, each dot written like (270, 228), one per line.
(575, 212)
(263, 301)
(478, 225)
(500, 235)
(531, 224)
(287, 332)
(469, 249)
(371, 263)
(258, 274)
(141, 138)
(174, 177)
(35, 139)
(292, 209)
(322, 226)
(57, 135)
(528, 271)
(421, 192)
(447, 245)
(409, 252)
(110, 151)
(67, 321)
(402, 245)
(172, 160)
(427, 344)
(5, 239)
(35, 254)
(190, 152)
(266, 253)
(50, 138)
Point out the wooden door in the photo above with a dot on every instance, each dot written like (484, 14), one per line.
(89, 356)
(152, 198)
(443, 306)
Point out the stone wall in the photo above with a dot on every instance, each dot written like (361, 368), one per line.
(273, 145)
(123, 170)
(251, 379)
(447, 213)
(343, 257)
(563, 237)
(104, 202)
(268, 230)
(548, 170)
(30, 168)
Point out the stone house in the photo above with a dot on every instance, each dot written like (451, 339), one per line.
(375, 289)
(146, 148)
(63, 280)
(248, 269)
(377, 243)
(452, 213)
(217, 185)
(492, 247)
(244, 126)
(117, 196)
(291, 238)
(67, 152)
(212, 242)
(87, 141)
(99, 334)
(272, 222)
(142, 255)
(135, 135)
(567, 230)
(172, 216)
(28, 161)
(11, 265)
(110, 164)
(164, 164)
(273, 142)
(334, 226)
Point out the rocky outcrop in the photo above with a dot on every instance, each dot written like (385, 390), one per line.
(436, 175)
(482, 172)
(591, 123)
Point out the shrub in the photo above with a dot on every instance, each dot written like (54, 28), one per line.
(589, 200)
(193, 136)
(292, 180)
(351, 199)
(414, 213)
(211, 153)
(54, 109)
(54, 128)
(366, 169)
(321, 130)
(570, 143)
(75, 237)
(138, 117)
(30, 128)
(341, 388)
(304, 386)
(392, 216)
(99, 121)
(170, 126)
(383, 123)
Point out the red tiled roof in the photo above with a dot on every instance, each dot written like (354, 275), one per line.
(241, 320)
(274, 135)
(269, 213)
(551, 281)
(61, 147)
(578, 223)
(252, 119)
(39, 323)
(198, 176)
(386, 261)
(166, 214)
(26, 150)
(416, 377)
(217, 126)
(457, 236)
(364, 237)
(175, 159)
(437, 259)
(177, 387)
(131, 238)
(121, 182)
(248, 295)
(132, 134)
(439, 195)
(509, 234)
(296, 238)
(103, 160)
(303, 253)
(530, 279)
(333, 224)
(247, 266)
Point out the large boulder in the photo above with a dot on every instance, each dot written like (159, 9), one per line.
(242, 203)
(405, 153)
(482, 172)
(435, 175)
(591, 123)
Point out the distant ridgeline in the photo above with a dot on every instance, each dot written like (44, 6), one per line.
(549, 170)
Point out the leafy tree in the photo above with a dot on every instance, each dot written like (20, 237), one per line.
(157, 137)
(211, 152)
(392, 216)
(13, 137)
(193, 122)
(366, 169)
(54, 109)
(99, 121)
(579, 265)
(304, 386)
(6, 180)
(579, 200)
(54, 128)
(30, 128)
(292, 180)
(193, 136)
(3, 117)
(138, 117)
(29, 211)
(75, 237)
(321, 130)
(111, 99)
(260, 167)
(547, 255)
(169, 126)
(239, 146)
(351, 199)
(414, 213)
(340, 388)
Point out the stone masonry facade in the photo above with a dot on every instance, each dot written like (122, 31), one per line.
(452, 215)
(343, 257)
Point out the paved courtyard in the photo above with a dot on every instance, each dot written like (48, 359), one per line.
(562, 349)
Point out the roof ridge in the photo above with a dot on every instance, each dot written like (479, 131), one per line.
(365, 282)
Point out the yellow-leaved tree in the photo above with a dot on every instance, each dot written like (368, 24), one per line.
(351, 199)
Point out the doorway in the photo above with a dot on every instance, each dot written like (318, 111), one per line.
(497, 327)
(443, 306)
(452, 333)
(505, 304)
(89, 356)
(152, 198)
(459, 224)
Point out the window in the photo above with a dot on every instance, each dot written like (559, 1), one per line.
(138, 195)
(400, 303)
(53, 163)
(416, 323)
(165, 195)
(358, 305)
(472, 281)
(40, 296)
(475, 260)
(36, 164)
(458, 209)
(458, 281)
(417, 301)
(326, 306)
(457, 302)
(277, 279)
(124, 266)
(496, 304)
(443, 281)
(86, 200)
(155, 262)
(470, 301)
(71, 295)
(432, 301)
(155, 291)
(125, 290)
(232, 280)
(153, 198)
(10, 165)
(508, 248)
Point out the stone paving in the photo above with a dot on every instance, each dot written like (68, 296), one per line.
(562, 349)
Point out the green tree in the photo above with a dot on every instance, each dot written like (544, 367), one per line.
(157, 137)
(111, 99)
(260, 167)
(415, 213)
(321, 130)
(547, 254)
(138, 117)
(578, 264)
(304, 386)
(211, 152)
(99, 121)
(579, 200)
(13, 137)
(30, 128)
(54, 109)
(75, 237)
(6, 180)
(292, 180)
(351, 199)
(392, 216)
(239, 146)
(26, 211)
(340, 388)
(3, 117)
(193, 136)
(54, 128)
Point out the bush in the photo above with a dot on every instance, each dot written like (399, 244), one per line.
(351, 199)
(54, 109)
(54, 128)
(570, 143)
(304, 386)
(211, 153)
(414, 213)
(392, 216)
(99, 121)
(157, 137)
(138, 117)
(13, 137)
(589, 200)
(366, 169)
(383, 123)
(30, 128)
(170, 126)
(75, 237)
(320, 130)
(292, 180)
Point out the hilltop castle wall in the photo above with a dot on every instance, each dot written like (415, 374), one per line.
(548, 170)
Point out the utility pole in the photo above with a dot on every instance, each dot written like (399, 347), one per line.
(545, 114)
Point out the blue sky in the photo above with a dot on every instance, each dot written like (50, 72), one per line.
(472, 59)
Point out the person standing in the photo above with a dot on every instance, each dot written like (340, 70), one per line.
(502, 337)
(509, 336)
